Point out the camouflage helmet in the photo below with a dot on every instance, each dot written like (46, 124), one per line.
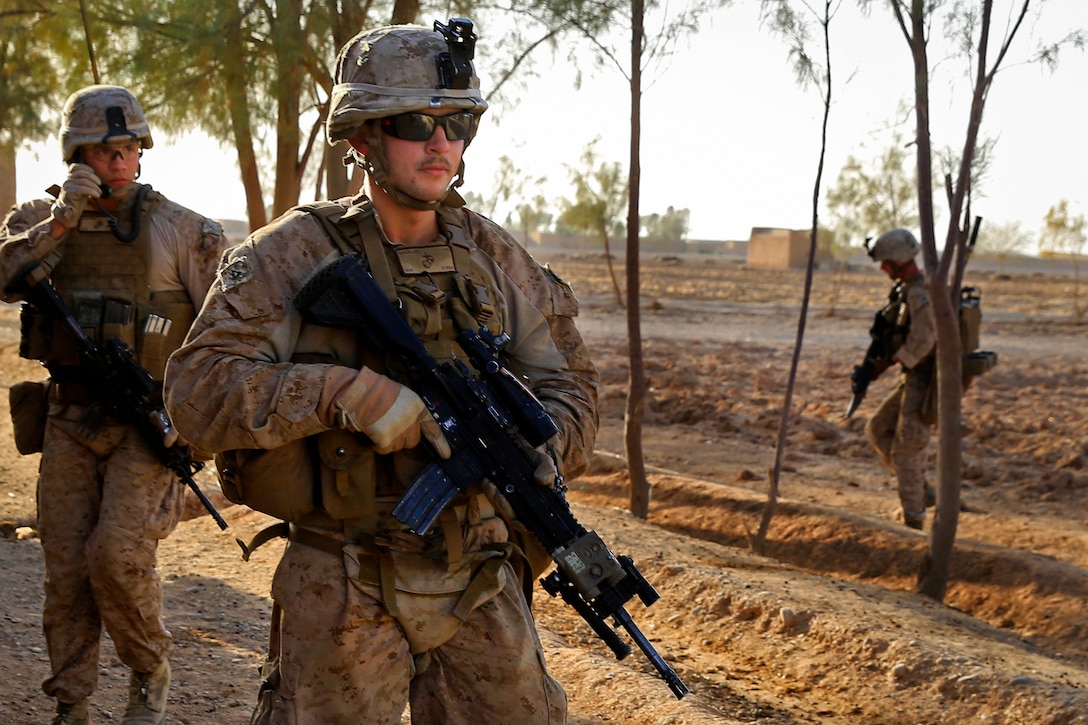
(98, 114)
(898, 246)
(402, 68)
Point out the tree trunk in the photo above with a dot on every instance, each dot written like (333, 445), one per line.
(636, 381)
(775, 477)
(405, 11)
(8, 185)
(288, 46)
(933, 572)
(242, 127)
(612, 271)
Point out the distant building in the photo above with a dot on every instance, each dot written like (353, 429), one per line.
(771, 248)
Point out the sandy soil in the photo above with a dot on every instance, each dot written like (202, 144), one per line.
(823, 627)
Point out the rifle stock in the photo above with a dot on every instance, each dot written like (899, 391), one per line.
(491, 421)
(120, 385)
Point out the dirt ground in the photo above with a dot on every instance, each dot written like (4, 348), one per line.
(824, 627)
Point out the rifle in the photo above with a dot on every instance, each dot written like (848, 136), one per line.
(874, 363)
(120, 386)
(491, 421)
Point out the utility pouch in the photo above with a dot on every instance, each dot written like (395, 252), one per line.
(35, 333)
(347, 474)
(118, 320)
(422, 306)
(278, 482)
(977, 363)
(429, 599)
(29, 403)
(270, 682)
(164, 322)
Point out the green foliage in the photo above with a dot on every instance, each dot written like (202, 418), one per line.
(1003, 239)
(869, 198)
(253, 74)
(668, 230)
(510, 183)
(601, 26)
(43, 57)
(949, 161)
(599, 205)
(1062, 233)
(530, 217)
(789, 23)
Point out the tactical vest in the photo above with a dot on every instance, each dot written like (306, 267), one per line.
(896, 314)
(104, 282)
(336, 474)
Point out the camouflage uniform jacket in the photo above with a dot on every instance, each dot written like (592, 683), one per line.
(245, 377)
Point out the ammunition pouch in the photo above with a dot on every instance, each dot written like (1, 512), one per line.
(153, 328)
(333, 471)
(277, 482)
(29, 403)
(164, 322)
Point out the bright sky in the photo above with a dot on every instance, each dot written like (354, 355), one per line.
(729, 135)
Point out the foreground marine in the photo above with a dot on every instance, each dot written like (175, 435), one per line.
(316, 426)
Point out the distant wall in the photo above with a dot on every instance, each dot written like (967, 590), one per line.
(618, 244)
(772, 248)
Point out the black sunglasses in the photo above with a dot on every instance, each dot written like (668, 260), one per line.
(420, 126)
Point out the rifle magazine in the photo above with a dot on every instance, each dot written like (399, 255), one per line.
(423, 502)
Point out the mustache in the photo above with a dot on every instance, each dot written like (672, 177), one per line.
(437, 160)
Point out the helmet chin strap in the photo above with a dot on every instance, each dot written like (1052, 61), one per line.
(374, 165)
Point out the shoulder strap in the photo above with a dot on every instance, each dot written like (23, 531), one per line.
(355, 229)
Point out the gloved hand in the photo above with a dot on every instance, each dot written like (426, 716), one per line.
(546, 470)
(391, 415)
(80, 187)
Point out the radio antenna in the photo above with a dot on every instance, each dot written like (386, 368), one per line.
(90, 43)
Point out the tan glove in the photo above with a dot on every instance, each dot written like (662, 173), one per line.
(391, 415)
(546, 471)
(80, 187)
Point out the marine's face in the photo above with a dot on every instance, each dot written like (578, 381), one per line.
(423, 169)
(116, 163)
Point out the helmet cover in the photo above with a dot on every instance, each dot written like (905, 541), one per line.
(402, 68)
(898, 246)
(100, 114)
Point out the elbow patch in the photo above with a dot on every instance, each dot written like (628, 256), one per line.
(564, 303)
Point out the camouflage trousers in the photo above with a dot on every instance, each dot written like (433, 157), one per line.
(338, 657)
(899, 434)
(103, 505)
